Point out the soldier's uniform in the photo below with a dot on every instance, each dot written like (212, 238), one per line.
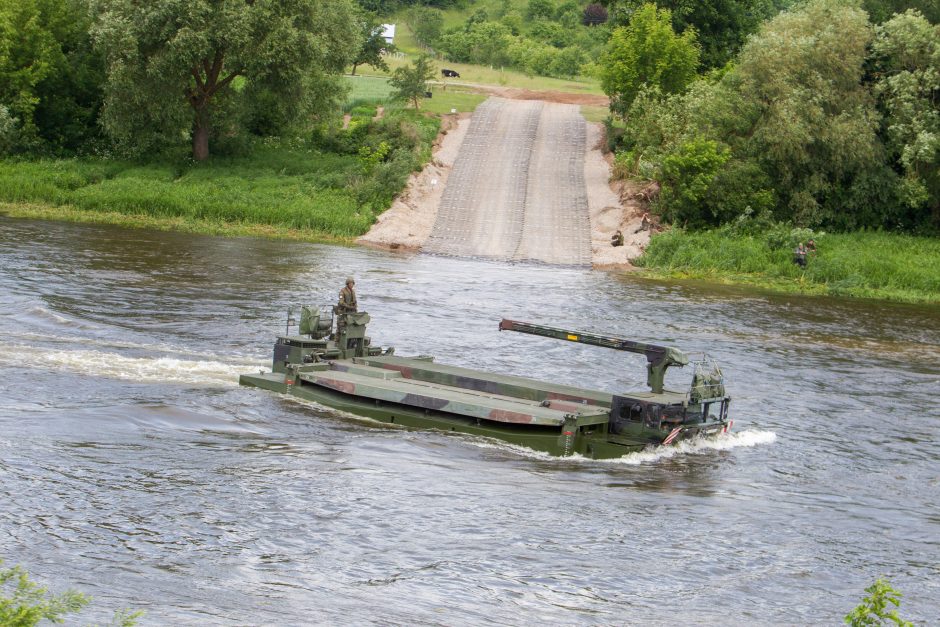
(347, 300)
(347, 304)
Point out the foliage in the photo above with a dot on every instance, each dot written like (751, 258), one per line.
(882, 10)
(24, 603)
(372, 44)
(8, 131)
(874, 609)
(411, 82)
(484, 43)
(319, 185)
(28, 55)
(819, 114)
(50, 78)
(721, 26)
(907, 60)
(760, 252)
(647, 51)
(426, 23)
(171, 67)
(813, 123)
(687, 179)
(594, 14)
(540, 9)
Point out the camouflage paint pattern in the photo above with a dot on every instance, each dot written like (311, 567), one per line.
(558, 419)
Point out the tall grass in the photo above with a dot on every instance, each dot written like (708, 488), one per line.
(289, 184)
(862, 264)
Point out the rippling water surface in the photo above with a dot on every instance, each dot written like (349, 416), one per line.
(134, 468)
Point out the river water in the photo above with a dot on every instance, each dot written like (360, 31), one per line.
(134, 468)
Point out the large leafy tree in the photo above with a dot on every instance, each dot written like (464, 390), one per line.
(907, 58)
(173, 64)
(812, 123)
(49, 75)
(647, 52)
(28, 55)
(721, 26)
(372, 44)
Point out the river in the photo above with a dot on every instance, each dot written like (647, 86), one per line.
(135, 469)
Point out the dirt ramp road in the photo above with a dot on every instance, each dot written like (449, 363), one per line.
(517, 188)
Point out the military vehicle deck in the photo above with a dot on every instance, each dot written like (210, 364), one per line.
(338, 366)
(391, 386)
(519, 387)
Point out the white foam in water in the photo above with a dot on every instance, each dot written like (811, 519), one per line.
(113, 366)
(42, 312)
(104, 343)
(722, 442)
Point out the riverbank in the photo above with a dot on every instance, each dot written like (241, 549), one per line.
(877, 265)
(330, 187)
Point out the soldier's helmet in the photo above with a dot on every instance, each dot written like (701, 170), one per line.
(349, 280)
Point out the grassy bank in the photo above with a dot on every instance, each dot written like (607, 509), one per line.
(328, 187)
(367, 89)
(865, 264)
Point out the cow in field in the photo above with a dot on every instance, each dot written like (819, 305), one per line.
(450, 73)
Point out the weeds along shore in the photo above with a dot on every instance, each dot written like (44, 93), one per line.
(862, 264)
(329, 186)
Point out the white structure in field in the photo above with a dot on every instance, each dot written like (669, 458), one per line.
(388, 32)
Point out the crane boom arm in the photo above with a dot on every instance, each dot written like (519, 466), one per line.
(658, 358)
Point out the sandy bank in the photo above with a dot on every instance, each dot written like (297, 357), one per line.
(408, 222)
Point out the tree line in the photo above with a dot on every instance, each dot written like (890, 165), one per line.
(82, 76)
(823, 119)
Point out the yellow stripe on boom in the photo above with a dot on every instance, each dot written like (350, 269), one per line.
(573, 338)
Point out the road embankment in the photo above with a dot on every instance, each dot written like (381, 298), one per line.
(522, 180)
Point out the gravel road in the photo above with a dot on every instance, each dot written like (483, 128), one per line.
(517, 188)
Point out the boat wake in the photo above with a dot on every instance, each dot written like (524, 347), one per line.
(722, 442)
(114, 366)
(98, 342)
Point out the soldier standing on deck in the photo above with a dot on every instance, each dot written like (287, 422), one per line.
(347, 297)
(347, 304)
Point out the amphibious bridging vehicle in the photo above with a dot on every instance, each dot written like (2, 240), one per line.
(336, 365)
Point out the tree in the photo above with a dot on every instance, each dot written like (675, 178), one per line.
(482, 42)
(722, 26)
(594, 14)
(373, 46)
(882, 10)
(811, 122)
(411, 82)
(172, 64)
(647, 52)
(49, 75)
(907, 60)
(426, 24)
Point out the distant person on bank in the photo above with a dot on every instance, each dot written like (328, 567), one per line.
(799, 255)
(616, 239)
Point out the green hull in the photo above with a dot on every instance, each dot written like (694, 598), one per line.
(417, 393)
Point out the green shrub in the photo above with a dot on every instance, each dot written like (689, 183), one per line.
(874, 609)
(687, 178)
